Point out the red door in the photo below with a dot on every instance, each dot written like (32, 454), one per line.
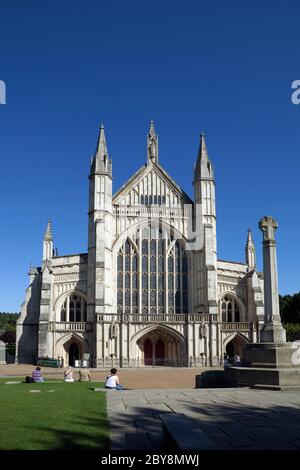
(160, 353)
(148, 352)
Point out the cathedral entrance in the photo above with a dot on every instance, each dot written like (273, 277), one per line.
(148, 352)
(160, 348)
(235, 347)
(160, 353)
(154, 352)
(73, 352)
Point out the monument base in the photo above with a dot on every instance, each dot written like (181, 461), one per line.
(267, 365)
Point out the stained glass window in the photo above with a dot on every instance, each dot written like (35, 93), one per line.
(152, 279)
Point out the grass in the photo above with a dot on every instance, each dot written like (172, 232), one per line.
(71, 417)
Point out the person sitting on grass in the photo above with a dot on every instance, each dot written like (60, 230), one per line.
(112, 381)
(37, 375)
(84, 375)
(69, 375)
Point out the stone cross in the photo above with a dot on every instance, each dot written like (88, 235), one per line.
(272, 330)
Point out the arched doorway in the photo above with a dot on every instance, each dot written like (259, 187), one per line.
(73, 354)
(159, 352)
(148, 352)
(161, 347)
(72, 351)
(235, 346)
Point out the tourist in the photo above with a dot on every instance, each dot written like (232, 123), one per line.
(225, 359)
(238, 361)
(69, 375)
(112, 381)
(84, 375)
(37, 375)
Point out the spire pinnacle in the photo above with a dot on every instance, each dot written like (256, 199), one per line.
(48, 232)
(101, 162)
(250, 250)
(101, 150)
(203, 167)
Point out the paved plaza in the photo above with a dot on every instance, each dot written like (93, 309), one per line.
(232, 418)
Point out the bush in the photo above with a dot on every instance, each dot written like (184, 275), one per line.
(292, 331)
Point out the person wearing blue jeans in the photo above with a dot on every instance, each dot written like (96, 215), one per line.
(112, 381)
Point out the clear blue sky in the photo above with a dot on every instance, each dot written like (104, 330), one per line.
(224, 67)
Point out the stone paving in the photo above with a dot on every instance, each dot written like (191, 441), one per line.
(233, 418)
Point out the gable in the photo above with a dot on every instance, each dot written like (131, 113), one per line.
(151, 185)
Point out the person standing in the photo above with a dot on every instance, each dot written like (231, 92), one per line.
(238, 361)
(225, 359)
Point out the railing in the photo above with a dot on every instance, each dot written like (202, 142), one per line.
(149, 211)
(156, 317)
(151, 318)
(237, 326)
(70, 326)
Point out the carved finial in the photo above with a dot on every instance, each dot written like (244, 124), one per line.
(268, 226)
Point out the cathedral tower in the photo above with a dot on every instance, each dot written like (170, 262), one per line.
(205, 294)
(99, 288)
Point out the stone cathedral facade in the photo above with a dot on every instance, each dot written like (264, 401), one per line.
(150, 290)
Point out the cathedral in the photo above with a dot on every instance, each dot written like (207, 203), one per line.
(150, 291)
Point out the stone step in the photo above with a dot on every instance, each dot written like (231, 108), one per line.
(184, 433)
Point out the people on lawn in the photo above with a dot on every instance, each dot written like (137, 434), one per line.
(112, 381)
(84, 375)
(37, 375)
(68, 374)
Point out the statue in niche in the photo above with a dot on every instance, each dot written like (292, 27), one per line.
(202, 331)
(113, 333)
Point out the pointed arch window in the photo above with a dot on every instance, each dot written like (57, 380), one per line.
(127, 287)
(158, 282)
(74, 309)
(229, 309)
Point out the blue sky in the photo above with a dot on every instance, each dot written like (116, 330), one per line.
(224, 67)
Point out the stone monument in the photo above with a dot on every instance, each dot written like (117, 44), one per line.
(269, 363)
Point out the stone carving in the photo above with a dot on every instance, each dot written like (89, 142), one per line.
(152, 148)
(152, 144)
(113, 330)
(268, 226)
(202, 330)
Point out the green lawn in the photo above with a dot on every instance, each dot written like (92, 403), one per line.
(71, 417)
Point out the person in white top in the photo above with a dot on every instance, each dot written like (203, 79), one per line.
(69, 375)
(238, 361)
(112, 381)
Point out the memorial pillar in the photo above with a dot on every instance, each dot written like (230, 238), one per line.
(272, 330)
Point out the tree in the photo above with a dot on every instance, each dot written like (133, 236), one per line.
(290, 308)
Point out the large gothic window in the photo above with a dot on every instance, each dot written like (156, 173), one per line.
(229, 309)
(127, 279)
(73, 309)
(156, 279)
